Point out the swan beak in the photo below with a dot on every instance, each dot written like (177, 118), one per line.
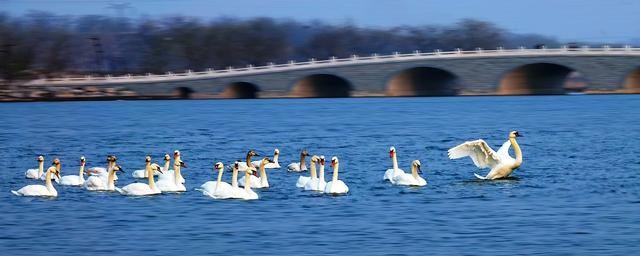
(120, 169)
(183, 164)
(419, 170)
(390, 154)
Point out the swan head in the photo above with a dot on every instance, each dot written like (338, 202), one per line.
(322, 160)
(82, 160)
(118, 168)
(176, 153)
(514, 134)
(334, 161)
(252, 152)
(56, 162)
(147, 159)
(40, 158)
(304, 152)
(55, 171)
(167, 157)
(156, 167)
(315, 159)
(267, 160)
(392, 151)
(417, 165)
(218, 166)
(276, 152)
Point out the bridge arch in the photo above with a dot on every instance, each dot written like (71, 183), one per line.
(240, 90)
(322, 86)
(183, 92)
(422, 81)
(540, 78)
(632, 81)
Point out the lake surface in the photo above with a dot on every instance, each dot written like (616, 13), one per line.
(577, 192)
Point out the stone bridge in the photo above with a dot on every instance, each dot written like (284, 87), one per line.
(484, 72)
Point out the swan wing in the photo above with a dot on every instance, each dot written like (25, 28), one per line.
(479, 151)
(503, 151)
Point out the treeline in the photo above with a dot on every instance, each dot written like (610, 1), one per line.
(41, 43)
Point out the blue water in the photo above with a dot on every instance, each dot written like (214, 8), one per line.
(577, 192)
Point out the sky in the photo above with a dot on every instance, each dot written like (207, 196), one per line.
(614, 21)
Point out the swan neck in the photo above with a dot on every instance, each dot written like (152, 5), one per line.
(47, 182)
(219, 178)
(395, 162)
(312, 171)
(321, 177)
(176, 169)
(516, 149)
(263, 173)
(414, 171)
(234, 178)
(303, 164)
(152, 182)
(166, 165)
(40, 169)
(275, 158)
(81, 170)
(249, 160)
(335, 173)
(247, 181)
(111, 177)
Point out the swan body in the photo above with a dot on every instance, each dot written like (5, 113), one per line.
(101, 171)
(239, 193)
(41, 190)
(175, 184)
(170, 176)
(36, 173)
(217, 189)
(104, 182)
(271, 165)
(74, 180)
(335, 186)
(317, 184)
(143, 189)
(501, 163)
(410, 179)
(303, 180)
(299, 166)
(394, 171)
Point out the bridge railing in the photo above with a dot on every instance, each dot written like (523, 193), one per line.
(333, 61)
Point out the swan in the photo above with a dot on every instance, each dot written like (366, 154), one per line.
(217, 189)
(299, 166)
(242, 166)
(141, 174)
(175, 184)
(74, 180)
(394, 171)
(262, 181)
(235, 191)
(335, 186)
(271, 165)
(317, 184)
(177, 164)
(101, 171)
(303, 180)
(42, 190)
(36, 173)
(410, 179)
(501, 163)
(142, 189)
(104, 182)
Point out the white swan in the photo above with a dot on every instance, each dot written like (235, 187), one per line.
(501, 163)
(271, 165)
(410, 179)
(299, 166)
(394, 171)
(102, 171)
(217, 189)
(142, 173)
(143, 189)
(238, 193)
(74, 180)
(40, 190)
(317, 184)
(177, 165)
(263, 180)
(175, 184)
(104, 182)
(335, 186)
(303, 180)
(36, 173)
